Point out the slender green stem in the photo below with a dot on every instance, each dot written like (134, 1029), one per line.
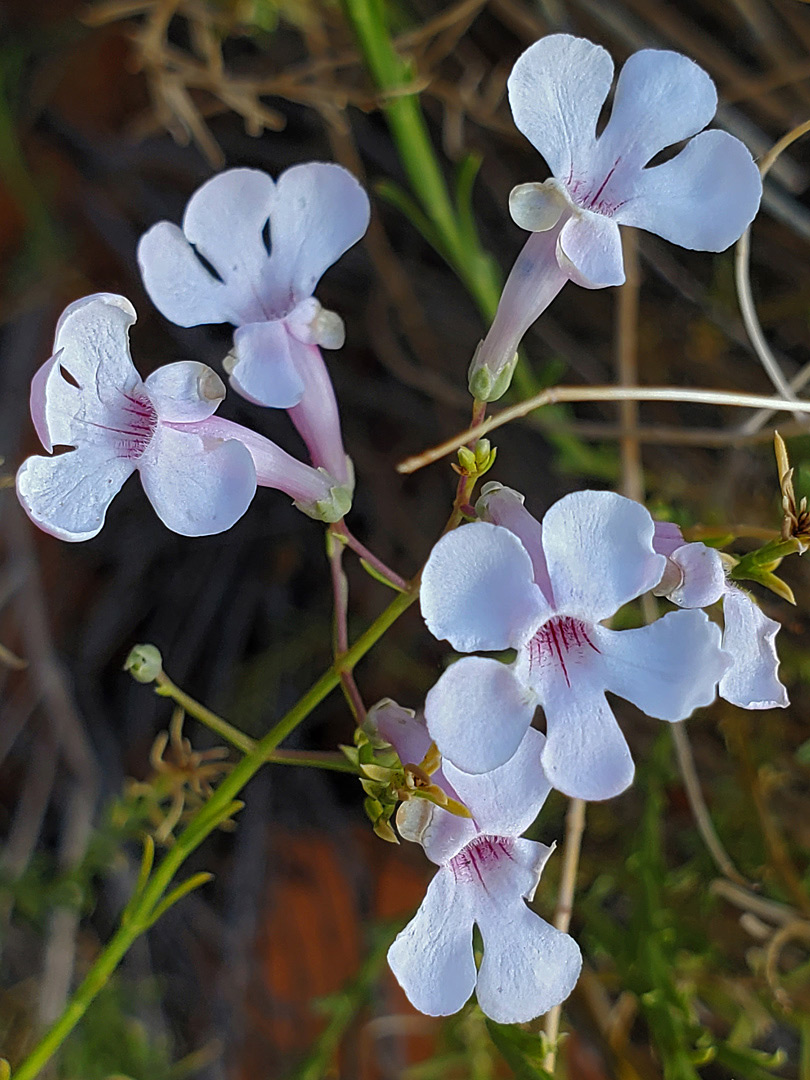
(332, 760)
(221, 805)
(394, 76)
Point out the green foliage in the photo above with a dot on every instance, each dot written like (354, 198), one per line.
(113, 1042)
(660, 955)
(523, 1051)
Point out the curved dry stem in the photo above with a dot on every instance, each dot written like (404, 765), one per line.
(558, 394)
(742, 273)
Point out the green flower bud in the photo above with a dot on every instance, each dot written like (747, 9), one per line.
(144, 663)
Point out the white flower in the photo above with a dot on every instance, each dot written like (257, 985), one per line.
(695, 577)
(702, 198)
(546, 597)
(251, 252)
(196, 469)
(486, 874)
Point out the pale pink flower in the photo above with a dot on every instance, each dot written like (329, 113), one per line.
(251, 252)
(546, 594)
(486, 874)
(695, 577)
(199, 472)
(703, 198)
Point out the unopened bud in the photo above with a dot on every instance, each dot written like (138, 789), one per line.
(144, 663)
(484, 385)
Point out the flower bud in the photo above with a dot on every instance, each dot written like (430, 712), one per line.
(144, 663)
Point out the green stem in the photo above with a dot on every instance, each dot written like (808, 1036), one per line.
(140, 914)
(394, 75)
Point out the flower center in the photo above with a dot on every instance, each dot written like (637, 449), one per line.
(593, 194)
(556, 640)
(479, 856)
(138, 421)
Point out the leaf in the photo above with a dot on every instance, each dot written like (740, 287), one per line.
(370, 570)
(398, 197)
(194, 882)
(522, 1051)
(465, 180)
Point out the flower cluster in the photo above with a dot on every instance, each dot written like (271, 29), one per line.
(475, 769)
(252, 253)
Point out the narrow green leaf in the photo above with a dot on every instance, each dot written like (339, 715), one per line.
(194, 882)
(370, 570)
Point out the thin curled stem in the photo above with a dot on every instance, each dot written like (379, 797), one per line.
(742, 274)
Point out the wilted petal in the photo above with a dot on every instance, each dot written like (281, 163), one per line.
(528, 967)
(320, 212)
(667, 669)
(661, 98)
(432, 958)
(198, 487)
(186, 391)
(702, 577)
(585, 756)
(506, 800)
(556, 91)
(264, 372)
(504, 506)
(68, 495)
(478, 589)
(703, 199)
(668, 538)
(589, 249)
(749, 637)
(402, 728)
(179, 285)
(478, 713)
(599, 554)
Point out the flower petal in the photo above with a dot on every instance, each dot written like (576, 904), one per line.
(225, 221)
(586, 756)
(668, 538)
(92, 338)
(661, 98)
(186, 391)
(432, 958)
(703, 579)
(402, 728)
(703, 199)
(264, 372)
(445, 834)
(667, 669)
(478, 713)
(68, 495)
(749, 637)
(321, 211)
(504, 506)
(589, 250)
(179, 285)
(528, 967)
(598, 548)
(198, 487)
(556, 90)
(478, 589)
(506, 800)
